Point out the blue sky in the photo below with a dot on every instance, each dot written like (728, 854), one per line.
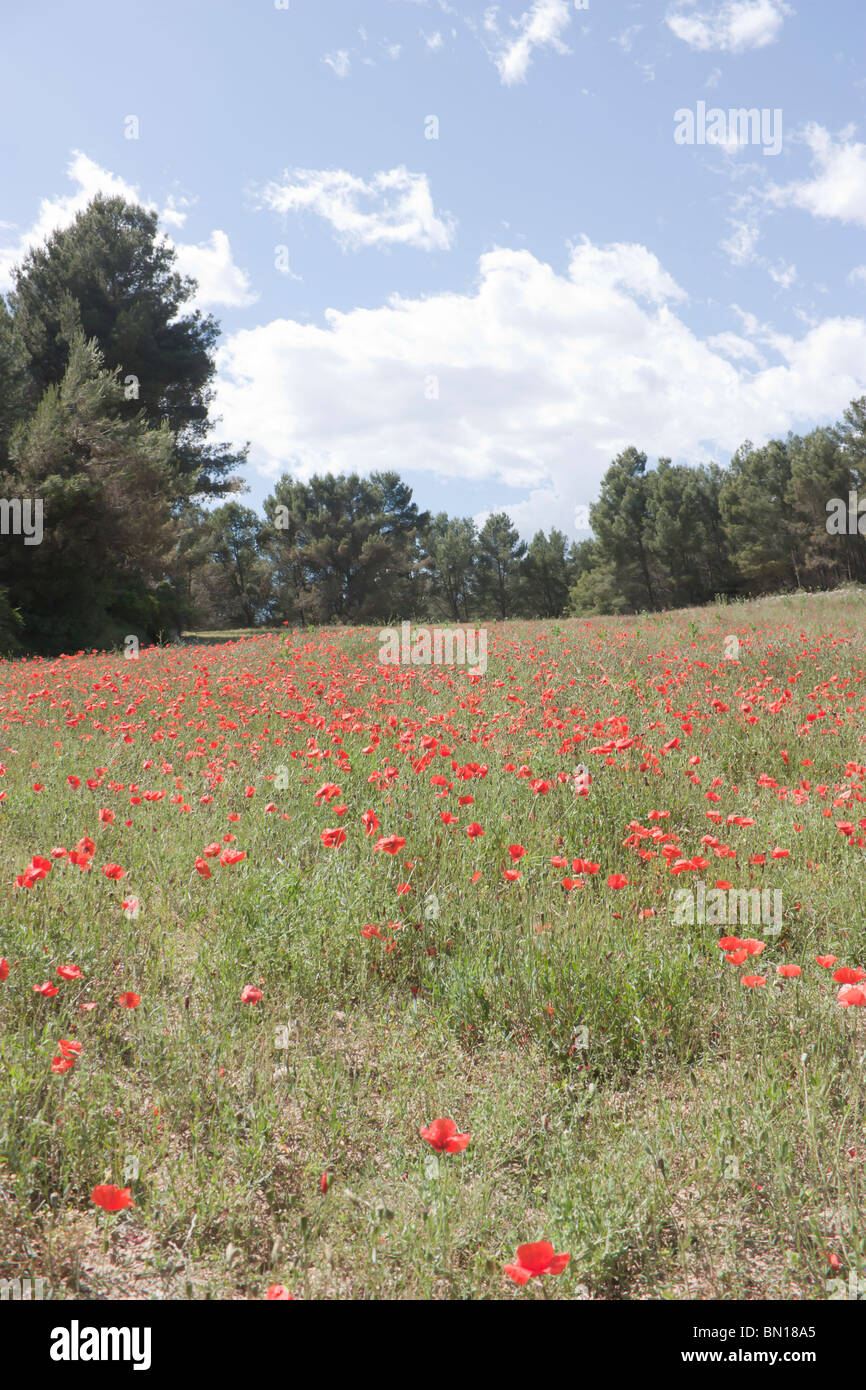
(497, 311)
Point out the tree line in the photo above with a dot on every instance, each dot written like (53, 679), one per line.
(105, 417)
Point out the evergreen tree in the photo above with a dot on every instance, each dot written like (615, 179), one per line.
(112, 264)
(753, 504)
(498, 574)
(547, 570)
(450, 545)
(103, 568)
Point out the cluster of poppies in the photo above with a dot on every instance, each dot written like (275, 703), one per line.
(737, 951)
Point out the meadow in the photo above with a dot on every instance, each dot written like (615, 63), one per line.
(270, 908)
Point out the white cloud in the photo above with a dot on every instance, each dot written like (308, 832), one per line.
(626, 38)
(433, 41)
(394, 208)
(858, 275)
(339, 62)
(783, 275)
(737, 348)
(174, 213)
(739, 247)
(538, 27)
(542, 378)
(732, 26)
(837, 187)
(220, 280)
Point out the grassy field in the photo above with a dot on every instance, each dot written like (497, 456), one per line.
(678, 1133)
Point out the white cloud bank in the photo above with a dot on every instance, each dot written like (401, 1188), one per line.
(535, 380)
(730, 27)
(221, 282)
(393, 208)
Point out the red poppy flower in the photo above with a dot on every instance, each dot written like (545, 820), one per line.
(617, 881)
(4, 968)
(69, 1048)
(48, 989)
(203, 867)
(250, 994)
(386, 844)
(332, 839)
(534, 1260)
(851, 994)
(232, 856)
(442, 1136)
(845, 975)
(327, 792)
(788, 972)
(129, 1000)
(69, 972)
(753, 981)
(112, 1198)
(826, 961)
(474, 830)
(278, 1293)
(62, 1064)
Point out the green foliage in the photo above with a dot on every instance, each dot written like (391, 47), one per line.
(102, 477)
(113, 271)
(344, 547)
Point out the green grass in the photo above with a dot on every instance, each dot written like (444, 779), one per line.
(707, 1142)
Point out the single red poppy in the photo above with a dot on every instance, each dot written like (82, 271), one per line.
(535, 1260)
(112, 1198)
(442, 1136)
